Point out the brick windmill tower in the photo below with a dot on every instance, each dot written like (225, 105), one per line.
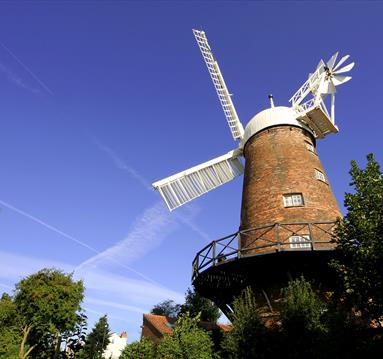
(288, 208)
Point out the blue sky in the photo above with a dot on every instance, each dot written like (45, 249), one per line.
(100, 99)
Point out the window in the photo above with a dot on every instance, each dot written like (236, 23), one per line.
(320, 176)
(170, 325)
(293, 200)
(302, 241)
(310, 147)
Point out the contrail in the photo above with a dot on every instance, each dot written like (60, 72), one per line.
(120, 164)
(102, 313)
(147, 232)
(116, 305)
(73, 239)
(16, 79)
(26, 68)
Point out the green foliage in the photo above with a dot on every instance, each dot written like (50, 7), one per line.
(187, 342)
(302, 314)
(49, 300)
(49, 304)
(168, 308)
(359, 237)
(97, 340)
(195, 304)
(11, 353)
(144, 349)
(302, 310)
(10, 326)
(247, 339)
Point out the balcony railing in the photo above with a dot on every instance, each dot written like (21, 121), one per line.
(266, 239)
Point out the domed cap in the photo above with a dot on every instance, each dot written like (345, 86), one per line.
(274, 116)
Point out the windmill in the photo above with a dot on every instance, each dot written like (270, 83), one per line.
(187, 185)
(288, 208)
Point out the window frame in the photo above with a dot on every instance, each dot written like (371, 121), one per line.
(320, 176)
(310, 147)
(288, 200)
(300, 241)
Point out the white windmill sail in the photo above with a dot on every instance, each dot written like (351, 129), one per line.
(183, 187)
(220, 86)
(321, 83)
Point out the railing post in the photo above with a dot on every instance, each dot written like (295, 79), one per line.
(277, 235)
(214, 259)
(239, 245)
(311, 237)
(195, 267)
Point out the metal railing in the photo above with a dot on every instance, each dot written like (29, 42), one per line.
(265, 239)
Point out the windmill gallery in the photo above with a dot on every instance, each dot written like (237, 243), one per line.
(288, 208)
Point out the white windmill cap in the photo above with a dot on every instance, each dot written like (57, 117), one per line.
(274, 116)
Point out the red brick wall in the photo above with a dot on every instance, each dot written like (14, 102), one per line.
(277, 163)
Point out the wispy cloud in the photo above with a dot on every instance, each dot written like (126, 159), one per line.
(104, 289)
(6, 286)
(47, 226)
(104, 284)
(71, 238)
(122, 165)
(189, 222)
(14, 266)
(100, 313)
(16, 79)
(27, 69)
(147, 232)
(111, 304)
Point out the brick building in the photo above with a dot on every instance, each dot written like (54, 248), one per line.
(288, 213)
(284, 182)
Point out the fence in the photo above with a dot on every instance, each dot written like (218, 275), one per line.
(270, 238)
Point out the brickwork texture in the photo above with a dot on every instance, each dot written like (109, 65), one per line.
(278, 163)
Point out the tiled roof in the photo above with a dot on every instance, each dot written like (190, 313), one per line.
(225, 327)
(162, 324)
(212, 325)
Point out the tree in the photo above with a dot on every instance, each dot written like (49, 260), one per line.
(97, 340)
(302, 315)
(168, 308)
(302, 310)
(144, 349)
(74, 340)
(188, 341)
(10, 327)
(359, 238)
(48, 303)
(195, 304)
(247, 339)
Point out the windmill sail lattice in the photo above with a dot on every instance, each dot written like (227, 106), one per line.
(194, 182)
(321, 83)
(308, 86)
(220, 86)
